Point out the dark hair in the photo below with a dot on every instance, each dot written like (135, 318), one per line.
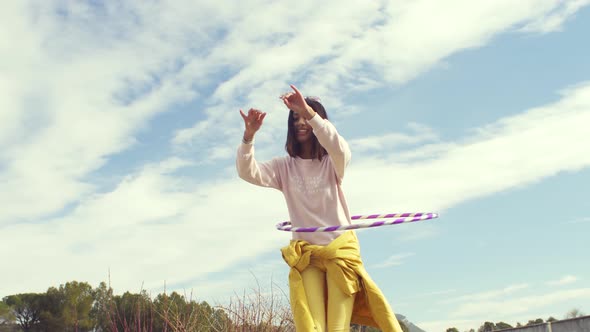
(293, 146)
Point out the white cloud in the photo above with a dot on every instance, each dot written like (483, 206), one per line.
(262, 277)
(553, 21)
(441, 292)
(63, 117)
(419, 135)
(394, 260)
(154, 227)
(512, 152)
(488, 295)
(579, 220)
(508, 307)
(362, 45)
(565, 280)
(506, 304)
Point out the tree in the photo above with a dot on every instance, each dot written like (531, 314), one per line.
(132, 312)
(168, 308)
(78, 299)
(502, 326)
(486, 327)
(51, 311)
(535, 322)
(551, 319)
(574, 313)
(6, 314)
(26, 308)
(452, 329)
(103, 308)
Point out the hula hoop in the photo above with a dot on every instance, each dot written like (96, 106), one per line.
(398, 218)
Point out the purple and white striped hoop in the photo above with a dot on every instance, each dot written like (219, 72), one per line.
(396, 218)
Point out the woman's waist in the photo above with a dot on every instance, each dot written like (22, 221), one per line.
(317, 238)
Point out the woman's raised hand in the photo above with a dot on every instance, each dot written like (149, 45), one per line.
(252, 122)
(294, 100)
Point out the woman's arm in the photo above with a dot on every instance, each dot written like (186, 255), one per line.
(325, 131)
(263, 174)
(336, 145)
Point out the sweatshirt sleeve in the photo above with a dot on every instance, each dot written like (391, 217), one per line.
(261, 174)
(337, 148)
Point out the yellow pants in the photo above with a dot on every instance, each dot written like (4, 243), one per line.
(330, 308)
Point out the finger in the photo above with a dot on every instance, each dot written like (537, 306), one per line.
(286, 95)
(287, 103)
(261, 117)
(243, 115)
(296, 90)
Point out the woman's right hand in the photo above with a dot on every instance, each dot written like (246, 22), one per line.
(252, 122)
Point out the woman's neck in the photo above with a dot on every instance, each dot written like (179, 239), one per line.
(305, 152)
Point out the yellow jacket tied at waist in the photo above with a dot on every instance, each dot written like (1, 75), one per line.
(342, 263)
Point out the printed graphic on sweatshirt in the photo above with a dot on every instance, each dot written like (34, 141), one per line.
(310, 184)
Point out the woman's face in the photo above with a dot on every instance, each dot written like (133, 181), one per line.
(303, 130)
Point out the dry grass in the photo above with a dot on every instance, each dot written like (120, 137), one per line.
(260, 312)
(253, 311)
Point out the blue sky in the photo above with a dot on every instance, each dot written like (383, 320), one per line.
(119, 125)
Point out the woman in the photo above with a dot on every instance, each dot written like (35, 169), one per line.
(329, 286)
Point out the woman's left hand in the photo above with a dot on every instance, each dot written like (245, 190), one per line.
(296, 102)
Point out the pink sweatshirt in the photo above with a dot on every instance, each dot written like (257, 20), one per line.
(312, 188)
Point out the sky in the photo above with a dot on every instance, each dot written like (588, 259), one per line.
(119, 125)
